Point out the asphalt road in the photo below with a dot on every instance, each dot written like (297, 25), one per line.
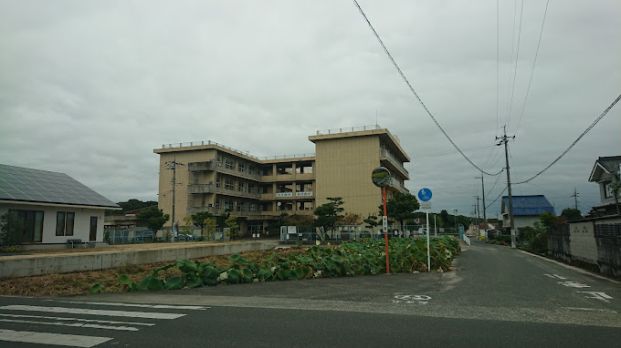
(495, 297)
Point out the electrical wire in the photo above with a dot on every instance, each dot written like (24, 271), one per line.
(604, 113)
(493, 186)
(405, 79)
(494, 201)
(532, 69)
(517, 59)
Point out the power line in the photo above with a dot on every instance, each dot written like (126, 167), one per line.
(604, 113)
(493, 186)
(517, 58)
(532, 69)
(496, 199)
(405, 79)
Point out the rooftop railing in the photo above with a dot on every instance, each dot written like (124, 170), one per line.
(348, 129)
(245, 153)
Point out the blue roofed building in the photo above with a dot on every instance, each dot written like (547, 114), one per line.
(526, 210)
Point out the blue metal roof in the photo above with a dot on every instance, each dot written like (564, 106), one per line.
(528, 205)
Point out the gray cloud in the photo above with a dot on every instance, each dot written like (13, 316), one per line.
(90, 88)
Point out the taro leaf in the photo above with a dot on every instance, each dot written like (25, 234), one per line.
(194, 283)
(151, 282)
(174, 283)
(234, 276)
(187, 266)
(96, 288)
(163, 268)
(125, 280)
(264, 274)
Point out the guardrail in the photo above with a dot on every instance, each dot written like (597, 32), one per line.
(348, 129)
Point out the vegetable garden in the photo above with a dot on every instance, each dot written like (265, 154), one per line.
(345, 260)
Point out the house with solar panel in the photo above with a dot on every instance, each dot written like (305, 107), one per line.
(526, 210)
(48, 208)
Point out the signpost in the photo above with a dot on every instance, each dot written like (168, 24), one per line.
(381, 178)
(424, 195)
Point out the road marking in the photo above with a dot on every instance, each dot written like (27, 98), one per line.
(554, 276)
(76, 319)
(597, 295)
(410, 299)
(147, 315)
(591, 309)
(60, 323)
(574, 284)
(51, 338)
(118, 304)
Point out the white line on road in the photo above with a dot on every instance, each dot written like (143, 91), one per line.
(574, 284)
(76, 319)
(575, 269)
(554, 276)
(597, 295)
(604, 310)
(60, 323)
(147, 315)
(51, 338)
(118, 304)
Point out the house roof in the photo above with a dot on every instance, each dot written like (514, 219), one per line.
(528, 205)
(40, 186)
(605, 165)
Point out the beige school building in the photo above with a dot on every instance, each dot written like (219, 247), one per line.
(212, 177)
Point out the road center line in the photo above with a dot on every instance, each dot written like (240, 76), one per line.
(51, 338)
(148, 315)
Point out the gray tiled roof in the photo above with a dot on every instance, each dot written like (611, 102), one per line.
(610, 163)
(33, 185)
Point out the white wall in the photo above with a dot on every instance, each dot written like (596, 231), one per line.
(81, 226)
(582, 241)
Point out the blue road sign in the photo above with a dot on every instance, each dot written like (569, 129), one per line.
(424, 194)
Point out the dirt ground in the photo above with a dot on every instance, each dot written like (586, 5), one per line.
(79, 283)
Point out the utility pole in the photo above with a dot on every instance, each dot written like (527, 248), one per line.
(575, 196)
(504, 140)
(483, 193)
(172, 165)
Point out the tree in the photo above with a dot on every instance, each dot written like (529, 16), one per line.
(571, 214)
(401, 207)
(131, 205)
(200, 220)
(371, 222)
(328, 213)
(153, 218)
(210, 227)
(444, 217)
(231, 223)
(615, 186)
(349, 219)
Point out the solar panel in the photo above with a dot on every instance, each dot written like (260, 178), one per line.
(25, 184)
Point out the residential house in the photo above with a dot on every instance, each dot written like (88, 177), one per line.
(526, 210)
(50, 207)
(605, 172)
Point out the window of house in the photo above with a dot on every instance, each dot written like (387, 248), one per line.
(26, 225)
(64, 223)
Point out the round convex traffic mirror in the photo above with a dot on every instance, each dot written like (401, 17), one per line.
(380, 177)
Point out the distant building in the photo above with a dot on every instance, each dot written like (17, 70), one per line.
(218, 179)
(51, 207)
(603, 173)
(526, 210)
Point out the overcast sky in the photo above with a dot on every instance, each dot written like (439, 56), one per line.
(90, 88)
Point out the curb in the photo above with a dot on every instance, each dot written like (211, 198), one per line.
(573, 268)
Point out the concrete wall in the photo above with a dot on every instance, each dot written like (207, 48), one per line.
(30, 265)
(81, 228)
(582, 241)
(344, 167)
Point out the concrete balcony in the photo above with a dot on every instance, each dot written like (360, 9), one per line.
(221, 211)
(287, 195)
(220, 168)
(211, 188)
(394, 164)
(289, 177)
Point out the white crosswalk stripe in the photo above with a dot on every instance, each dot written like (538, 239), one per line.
(51, 338)
(32, 315)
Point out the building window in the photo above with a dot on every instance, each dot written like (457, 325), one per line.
(228, 163)
(241, 186)
(228, 184)
(64, 223)
(242, 167)
(26, 225)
